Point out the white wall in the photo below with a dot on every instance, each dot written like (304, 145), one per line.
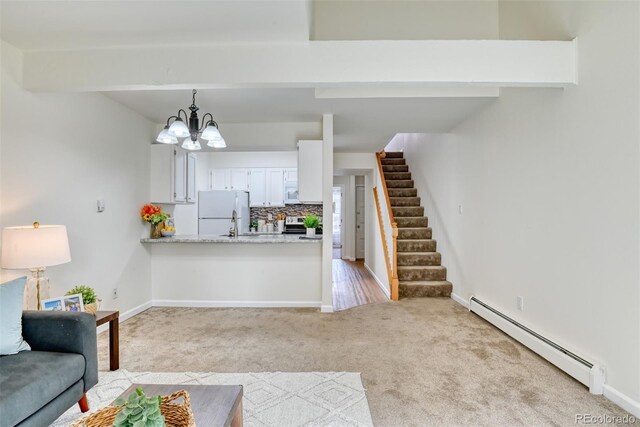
(348, 229)
(60, 153)
(549, 187)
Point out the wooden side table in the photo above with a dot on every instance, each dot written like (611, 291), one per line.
(112, 317)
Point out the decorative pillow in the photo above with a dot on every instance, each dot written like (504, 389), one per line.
(11, 295)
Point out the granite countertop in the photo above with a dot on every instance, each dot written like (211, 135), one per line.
(204, 238)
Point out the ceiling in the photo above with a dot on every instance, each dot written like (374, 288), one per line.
(52, 25)
(360, 125)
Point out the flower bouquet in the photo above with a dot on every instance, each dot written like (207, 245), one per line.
(154, 215)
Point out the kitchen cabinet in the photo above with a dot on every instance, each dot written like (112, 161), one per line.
(258, 187)
(275, 187)
(267, 186)
(220, 179)
(173, 172)
(310, 172)
(239, 179)
(291, 186)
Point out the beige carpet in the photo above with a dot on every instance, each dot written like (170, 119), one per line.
(423, 361)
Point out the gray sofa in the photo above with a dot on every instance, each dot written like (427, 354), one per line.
(37, 386)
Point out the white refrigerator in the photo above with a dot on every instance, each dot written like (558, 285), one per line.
(215, 209)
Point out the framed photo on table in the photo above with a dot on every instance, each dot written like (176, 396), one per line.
(72, 303)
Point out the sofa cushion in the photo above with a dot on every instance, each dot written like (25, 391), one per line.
(11, 298)
(31, 379)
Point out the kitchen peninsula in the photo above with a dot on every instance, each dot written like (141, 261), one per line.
(247, 271)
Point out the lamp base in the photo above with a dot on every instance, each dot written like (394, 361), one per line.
(37, 289)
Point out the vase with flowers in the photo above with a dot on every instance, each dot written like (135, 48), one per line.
(154, 216)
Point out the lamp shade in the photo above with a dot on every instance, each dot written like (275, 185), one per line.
(218, 143)
(165, 137)
(34, 247)
(179, 129)
(211, 133)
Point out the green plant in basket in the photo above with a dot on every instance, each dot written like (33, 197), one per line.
(139, 410)
(311, 221)
(88, 294)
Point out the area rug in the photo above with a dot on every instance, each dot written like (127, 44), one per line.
(271, 399)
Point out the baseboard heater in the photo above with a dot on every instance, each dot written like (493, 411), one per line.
(590, 374)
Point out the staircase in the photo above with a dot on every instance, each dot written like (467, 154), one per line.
(419, 265)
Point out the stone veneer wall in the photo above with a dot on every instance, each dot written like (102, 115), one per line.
(289, 210)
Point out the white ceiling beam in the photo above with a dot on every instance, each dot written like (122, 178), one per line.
(407, 91)
(496, 63)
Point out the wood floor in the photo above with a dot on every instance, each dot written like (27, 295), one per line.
(353, 285)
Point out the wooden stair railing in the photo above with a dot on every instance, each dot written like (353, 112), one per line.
(392, 264)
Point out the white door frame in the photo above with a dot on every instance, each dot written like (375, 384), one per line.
(342, 218)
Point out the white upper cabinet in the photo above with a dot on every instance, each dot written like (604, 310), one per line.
(239, 179)
(257, 187)
(172, 175)
(220, 179)
(266, 186)
(310, 171)
(191, 177)
(275, 187)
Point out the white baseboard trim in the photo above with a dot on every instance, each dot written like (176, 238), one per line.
(326, 309)
(382, 286)
(622, 400)
(127, 315)
(222, 303)
(457, 298)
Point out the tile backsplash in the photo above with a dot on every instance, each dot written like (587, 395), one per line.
(289, 210)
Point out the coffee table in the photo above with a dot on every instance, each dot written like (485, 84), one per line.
(212, 405)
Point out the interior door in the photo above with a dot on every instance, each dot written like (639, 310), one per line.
(360, 222)
(180, 177)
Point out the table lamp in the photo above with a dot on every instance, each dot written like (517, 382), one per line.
(35, 247)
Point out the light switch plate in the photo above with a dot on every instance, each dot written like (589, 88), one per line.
(101, 205)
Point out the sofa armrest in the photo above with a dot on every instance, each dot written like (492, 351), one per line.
(64, 332)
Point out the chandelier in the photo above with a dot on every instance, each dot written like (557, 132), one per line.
(190, 129)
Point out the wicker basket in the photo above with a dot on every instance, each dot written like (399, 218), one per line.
(175, 415)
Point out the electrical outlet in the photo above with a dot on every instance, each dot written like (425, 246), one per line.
(115, 293)
(520, 302)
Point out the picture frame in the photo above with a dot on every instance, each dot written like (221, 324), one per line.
(71, 303)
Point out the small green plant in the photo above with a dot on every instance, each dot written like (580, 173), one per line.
(311, 221)
(138, 410)
(88, 294)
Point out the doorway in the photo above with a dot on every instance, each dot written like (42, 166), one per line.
(360, 222)
(338, 208)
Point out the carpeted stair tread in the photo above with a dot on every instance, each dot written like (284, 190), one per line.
(407, 211)
(435, 288)
(397, 183)
(397, 175)
(417, 245)
(419, 258)
(422, 273)
(393, 154)
(403, 192)
(412, 221)
(393, 161)
(412, 233)
(395, 168)
(404, 201)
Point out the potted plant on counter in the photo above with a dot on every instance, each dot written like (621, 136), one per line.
(154, 215)
(311, 222)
